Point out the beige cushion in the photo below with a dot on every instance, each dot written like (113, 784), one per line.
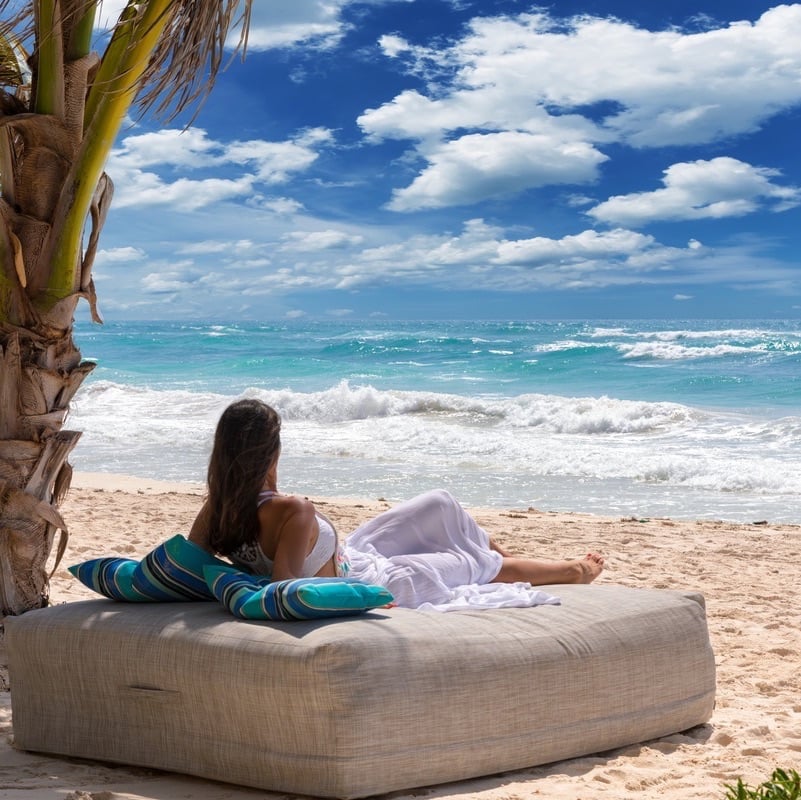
(365, 705)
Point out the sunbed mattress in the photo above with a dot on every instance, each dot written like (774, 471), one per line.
(389, 700)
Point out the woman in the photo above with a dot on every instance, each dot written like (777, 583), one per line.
(420, 550)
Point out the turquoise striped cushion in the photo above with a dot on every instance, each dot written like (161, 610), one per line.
(252, 597)
(111, 577)
(174, 571)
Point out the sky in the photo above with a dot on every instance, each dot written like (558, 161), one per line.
(449, 159)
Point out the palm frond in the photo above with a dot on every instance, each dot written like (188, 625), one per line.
(189, 56)
(187, 59)
(16, 16)
(14, 70)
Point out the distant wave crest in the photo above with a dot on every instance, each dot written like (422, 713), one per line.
(344, 402)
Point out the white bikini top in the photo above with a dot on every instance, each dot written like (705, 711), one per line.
(251, 557)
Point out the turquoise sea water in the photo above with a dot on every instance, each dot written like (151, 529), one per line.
(644, 418)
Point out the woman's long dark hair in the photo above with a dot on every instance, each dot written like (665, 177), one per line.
(246, 443)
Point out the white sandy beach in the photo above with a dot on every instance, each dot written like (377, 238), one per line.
(748, 573)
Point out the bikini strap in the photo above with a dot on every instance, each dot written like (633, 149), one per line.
(266, 495)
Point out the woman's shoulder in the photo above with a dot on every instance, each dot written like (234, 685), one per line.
(287, 505)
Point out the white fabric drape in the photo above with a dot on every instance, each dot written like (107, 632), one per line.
(431, 554)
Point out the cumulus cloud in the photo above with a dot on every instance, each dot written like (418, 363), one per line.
(276, 205)
(318, 24)
(479, 166)
(585, 246)
(722, 187)
(392, 46)
(148, 189)
(309, 22)
(484, 256)
(479, 255)
(119, 255)
(259, 162)
(169, 147)
(273, 161)
(311, 241)
(166, 282)
(580, 84)
(312, 23)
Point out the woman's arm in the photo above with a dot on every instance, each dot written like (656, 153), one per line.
(297, 528)
(199, 532)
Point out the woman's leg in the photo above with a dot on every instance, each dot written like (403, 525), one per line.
(422, 549)
(542, 573)
(432, 522)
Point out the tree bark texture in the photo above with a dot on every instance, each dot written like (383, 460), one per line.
(39, 375)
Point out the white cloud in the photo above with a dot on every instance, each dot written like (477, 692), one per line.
(311, 22)
(109, 13)
(482, 256)
(392, 46)
(119, 255)
(169, 147)
(311, 241)
(166, 282)
(722, 187)
(259, 162)
(585, 246)
(274, 162)
(217, 273)
(148, 189)
(579, 83)
(479, 166)
(477, 241)
(275, 205)
(315, 23)
(681, 297)
(239, 247)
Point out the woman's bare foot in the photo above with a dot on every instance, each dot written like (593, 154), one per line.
(591, 566)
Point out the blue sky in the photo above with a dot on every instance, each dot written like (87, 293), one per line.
(454, 159)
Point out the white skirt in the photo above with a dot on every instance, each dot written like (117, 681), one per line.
(422, 550)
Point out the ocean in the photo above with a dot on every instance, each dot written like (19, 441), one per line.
(691, 420)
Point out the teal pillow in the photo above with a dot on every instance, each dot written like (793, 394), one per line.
(112, 577)
(252, 597)
(174, 571)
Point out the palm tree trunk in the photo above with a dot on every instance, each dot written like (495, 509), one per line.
(40, 366)
(55, 135)
(39, 374)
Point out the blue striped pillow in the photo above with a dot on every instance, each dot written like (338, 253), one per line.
(174, 571)
(252, 597)
(112, 577)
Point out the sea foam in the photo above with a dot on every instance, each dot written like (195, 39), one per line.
(648, 418)
(348, 438)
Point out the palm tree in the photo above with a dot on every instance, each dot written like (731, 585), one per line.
(61, 108)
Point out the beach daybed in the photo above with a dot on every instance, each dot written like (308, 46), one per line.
(388, 700)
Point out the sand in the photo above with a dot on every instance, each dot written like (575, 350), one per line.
(749, 575)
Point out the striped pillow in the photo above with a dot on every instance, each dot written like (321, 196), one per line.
(174, 571)
(252, 597)
(112, 577)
